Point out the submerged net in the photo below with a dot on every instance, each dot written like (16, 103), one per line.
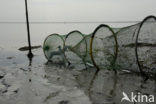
(52, 48)
(129, 48)
(74, 52)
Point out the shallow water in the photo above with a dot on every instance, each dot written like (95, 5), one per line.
(37, 82)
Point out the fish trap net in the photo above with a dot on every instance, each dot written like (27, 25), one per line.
(76, 47)
(130, 48)
(146, 45)
(53, 48)
(136, 46)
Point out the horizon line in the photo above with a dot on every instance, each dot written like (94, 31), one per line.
(64, 22)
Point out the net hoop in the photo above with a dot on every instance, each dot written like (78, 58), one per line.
(136, 42)
(83, 37)
(44, 43)
(91, 44)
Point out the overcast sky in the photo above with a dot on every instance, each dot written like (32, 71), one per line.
(77, 10)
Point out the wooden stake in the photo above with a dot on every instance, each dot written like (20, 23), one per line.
(30, 55)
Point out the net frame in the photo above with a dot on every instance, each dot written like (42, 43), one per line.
(136, 42)
(91, 44)
(47, 39)
(82, 57)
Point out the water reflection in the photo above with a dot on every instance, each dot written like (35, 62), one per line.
(30, 60)
(102, 86)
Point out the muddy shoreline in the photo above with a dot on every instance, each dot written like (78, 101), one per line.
(39, 82)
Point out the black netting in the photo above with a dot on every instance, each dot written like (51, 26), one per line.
(126, 48)
(103, 47)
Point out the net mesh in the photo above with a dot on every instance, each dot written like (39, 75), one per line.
(103, 47)
(126, 48)
(130, 48)
(75, 52)
(146, 45)
(53, 48)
